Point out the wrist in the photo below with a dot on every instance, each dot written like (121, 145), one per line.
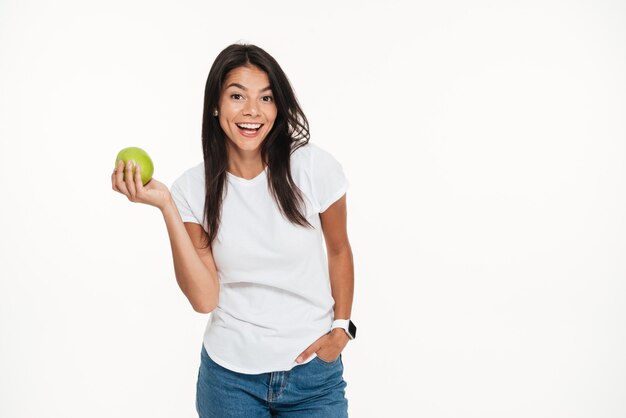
(346, 325)
(169, 207)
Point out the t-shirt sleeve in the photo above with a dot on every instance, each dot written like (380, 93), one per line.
(329, 180)
(180, 193)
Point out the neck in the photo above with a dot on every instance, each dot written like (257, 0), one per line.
(245, 164)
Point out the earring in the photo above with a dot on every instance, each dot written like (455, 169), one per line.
(215, 112)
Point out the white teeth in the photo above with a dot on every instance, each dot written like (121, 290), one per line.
(249, 125)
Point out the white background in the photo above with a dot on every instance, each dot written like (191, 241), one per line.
(485, 143)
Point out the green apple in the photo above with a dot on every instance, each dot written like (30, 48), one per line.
(138, 156)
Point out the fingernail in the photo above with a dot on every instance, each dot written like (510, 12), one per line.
(299, 359)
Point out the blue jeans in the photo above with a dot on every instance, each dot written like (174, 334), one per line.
(314, 389)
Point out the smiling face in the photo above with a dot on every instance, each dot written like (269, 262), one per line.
(246, 108)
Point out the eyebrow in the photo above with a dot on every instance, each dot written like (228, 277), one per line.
(245, 89)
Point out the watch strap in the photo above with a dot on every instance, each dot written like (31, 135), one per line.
(344, 324)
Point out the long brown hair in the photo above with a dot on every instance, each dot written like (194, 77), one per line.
(290, 132)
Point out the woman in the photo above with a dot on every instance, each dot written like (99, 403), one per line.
(247, 228)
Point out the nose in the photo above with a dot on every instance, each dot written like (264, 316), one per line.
(250, 109)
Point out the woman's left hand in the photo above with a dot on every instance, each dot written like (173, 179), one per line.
(328, 347)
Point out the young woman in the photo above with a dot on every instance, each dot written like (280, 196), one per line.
(247, 229)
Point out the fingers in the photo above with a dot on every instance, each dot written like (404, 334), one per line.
(124, 181)
(130, 181)
(138, 182)
(308, 352)
(118, 179)
(305, 355)
(325, 345)
(113, 185)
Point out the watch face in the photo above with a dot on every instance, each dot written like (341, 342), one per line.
(352, 329)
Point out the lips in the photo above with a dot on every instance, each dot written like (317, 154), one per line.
(249, 130)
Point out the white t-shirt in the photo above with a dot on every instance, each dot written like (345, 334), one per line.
(275, 296)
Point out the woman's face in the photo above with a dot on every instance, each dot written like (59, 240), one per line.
(246, 108)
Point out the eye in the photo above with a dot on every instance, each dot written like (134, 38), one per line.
(236, 96)
(267, 99)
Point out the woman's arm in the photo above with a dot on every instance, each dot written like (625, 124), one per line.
(341, 271)
(340, 262)
(195, 269)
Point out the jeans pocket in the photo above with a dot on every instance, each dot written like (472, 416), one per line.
(328, 363)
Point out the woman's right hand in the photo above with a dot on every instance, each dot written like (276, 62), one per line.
(154, 193)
